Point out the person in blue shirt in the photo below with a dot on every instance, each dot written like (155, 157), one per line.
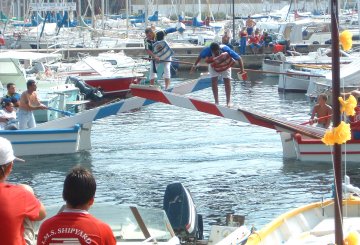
(220, 59)
(11, 95)
(152, 37)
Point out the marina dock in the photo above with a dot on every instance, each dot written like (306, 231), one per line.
(185, 54)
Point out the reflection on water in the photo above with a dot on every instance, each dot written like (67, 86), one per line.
(229, 166)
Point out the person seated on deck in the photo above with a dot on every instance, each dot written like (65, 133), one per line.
(79, 194)
(254, 42)
(266, 40)
(19, 208)
(225, 39)
(322, 111)
(8, 117)
(355, 122)
(11, 95)
(290, 50)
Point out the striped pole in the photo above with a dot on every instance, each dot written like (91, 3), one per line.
(238, 114)
(124, 105)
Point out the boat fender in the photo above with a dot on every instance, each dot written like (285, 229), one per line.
(221, 63)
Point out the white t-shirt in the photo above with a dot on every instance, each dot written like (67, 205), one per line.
(8, 115)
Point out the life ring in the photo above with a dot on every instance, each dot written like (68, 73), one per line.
(221, 63)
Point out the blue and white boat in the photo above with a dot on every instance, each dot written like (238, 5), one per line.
(72, 134)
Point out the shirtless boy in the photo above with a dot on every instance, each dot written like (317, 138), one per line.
(29, 102)
(321, 110)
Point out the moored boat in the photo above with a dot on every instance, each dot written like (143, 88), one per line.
(309, 224)
(71, 134)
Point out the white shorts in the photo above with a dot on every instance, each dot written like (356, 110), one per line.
(26, 119)
(167, 66)
(223, 74)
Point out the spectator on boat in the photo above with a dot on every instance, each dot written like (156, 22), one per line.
(220, 59)
(151, 38)
(74, 222)
(290, 50)
(11, 95)
(243, 35)
(322, 111)
(29, 102)
(225, 39)
(266, 40)
(19, 208)
(355, 120)
(254, 42)
(355, 93)
(8, 117)
(250, 24)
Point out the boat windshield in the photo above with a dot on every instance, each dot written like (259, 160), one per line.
(131, 223)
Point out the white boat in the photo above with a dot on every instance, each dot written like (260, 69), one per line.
(52, 91)
(72, 134)
(349, 79)
(140, 225)
(309, 224)
(308, 149)
(293, 80)
(101, 74)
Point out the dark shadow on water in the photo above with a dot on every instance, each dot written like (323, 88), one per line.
(299, 168)
(36, 165)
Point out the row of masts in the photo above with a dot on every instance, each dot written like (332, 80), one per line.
(20, 8)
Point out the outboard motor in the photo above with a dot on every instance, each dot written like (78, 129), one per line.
(181, 211)
(90, 92)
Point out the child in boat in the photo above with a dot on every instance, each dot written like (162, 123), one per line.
(322, 111)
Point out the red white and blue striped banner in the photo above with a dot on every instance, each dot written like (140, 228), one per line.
(123, 106)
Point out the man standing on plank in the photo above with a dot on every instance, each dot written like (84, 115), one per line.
(220, 59)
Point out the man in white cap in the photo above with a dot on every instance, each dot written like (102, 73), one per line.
(18, 205)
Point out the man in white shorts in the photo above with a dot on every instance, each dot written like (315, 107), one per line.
(220, 59)
(29, 102)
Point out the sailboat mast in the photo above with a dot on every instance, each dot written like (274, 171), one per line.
(336, 120)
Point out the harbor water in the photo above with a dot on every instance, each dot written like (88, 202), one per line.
(229, 166)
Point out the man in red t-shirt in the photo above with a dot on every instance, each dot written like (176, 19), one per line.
(18, 205)
(74, 224)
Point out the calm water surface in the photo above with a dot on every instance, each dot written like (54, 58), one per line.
(229, 166)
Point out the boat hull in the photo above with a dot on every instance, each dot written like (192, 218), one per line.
(310, 224)
(111, 85)
(306, 149)
(49, 141)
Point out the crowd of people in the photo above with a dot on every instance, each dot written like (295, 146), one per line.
(17, 109)
(254, 38)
